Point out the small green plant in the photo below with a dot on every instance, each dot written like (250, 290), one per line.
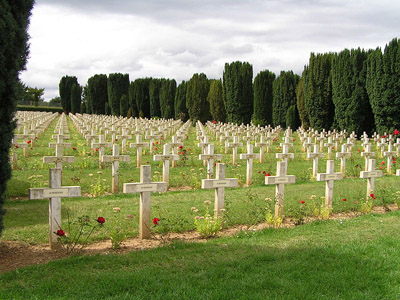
(270, 218)
(397, 198)
(98, 188)
(207, 226)
(117, 234)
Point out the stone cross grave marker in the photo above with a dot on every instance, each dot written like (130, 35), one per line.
(248, 138)
(113, 132)
(225, 138)
(280, 180)
(397, 145)
(234, 147)
(371, 174)
(174, 145)
(204, 146)
(285, 155)
(90, 139)
(59, 159)
(308, 145)
(262, 144)
(54, 193)
(367, 154)
(115, 158)
(219, 184)
(139, 145)
(210, 157)
(165, 157)
(152, 136)
(26, 136)
(249, 156)
(329, 146)
(389, 154)
(14, 157)
(382, 145)
(124, 136)
(144, 187)
(316, 155)
(329, 177)
(343, 155)
(100, 146)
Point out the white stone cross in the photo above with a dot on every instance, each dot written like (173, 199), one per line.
(234, 147)
(371, 174)
(285, 155)
(124, 136)
(329, 177)
(248, 138)
(115, 158)
(219, 184)
(59, 159)
(329, 146)
(113, 133)
(54, 193)
(210, 157)
(165, 157)
(91, 138)
(280, 180)
(100, 146)
(316, 155)
(382, 145)
(307, 145)
(389, 154)
(26, 137)
(204, 146)
(262, 144)
(343, 155)
(249, 156)
(367, 154)
(139, 145)
(152, 136)
(397, 145)
(174, 145)
(145, 187)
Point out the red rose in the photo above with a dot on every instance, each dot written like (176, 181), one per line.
(382, 163)
(73, 148)
(383, 136)
(180, 147)
(344, 199)
(396, 132)
(302, 201)
(16, 146)
(97, 149)
(267, 174)
(28, 142)
(60, 232)
(372, 196)
(156, 143)
(155, 221)
(155, 148)
(101, 220)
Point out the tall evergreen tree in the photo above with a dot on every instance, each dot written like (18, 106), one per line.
(14, 20)
(383, 86)
(97, 93)
(133, 110)
(142, 96)
(352, 108)
(167, 98)
(76, 98)
(301, 105)
(65, 87)
(117, 85)
(284, 96)
(217, 108)
(263, 97)
(318, 91)
(181, 111)
(238, 92)
(196, 98)
(154, 91)
(123, 106)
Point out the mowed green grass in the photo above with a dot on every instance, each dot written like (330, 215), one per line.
(338, 259)
(27, 220)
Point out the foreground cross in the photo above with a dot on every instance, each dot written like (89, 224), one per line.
(249, 156)
(115, 158)
(54, 193)
(219, 184)
(329, 177)
(145, 187)
(280, 180)
(371, 174)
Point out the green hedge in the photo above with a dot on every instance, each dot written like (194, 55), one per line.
(40, 108)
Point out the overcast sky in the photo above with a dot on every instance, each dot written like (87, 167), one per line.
(177, 38)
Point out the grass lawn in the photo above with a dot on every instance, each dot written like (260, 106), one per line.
(337, 259)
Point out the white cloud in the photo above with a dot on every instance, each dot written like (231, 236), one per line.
(178, 38)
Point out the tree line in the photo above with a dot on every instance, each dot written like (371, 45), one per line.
(357, 90)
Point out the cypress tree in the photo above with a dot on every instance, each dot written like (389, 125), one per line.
(154, 91)
(14, 16)
(383, 86)
(117, 85)
(133, 110)
(238, 92)
(301, 105)
(263, 97)
(124, 106)
(97, 93)
(217, 108)
(318, 91)
(167, 98)
(65, 87)
(284, 96)
(196, 98)
(76, 98)
(142, 96)
(181, 111)
(352, 108)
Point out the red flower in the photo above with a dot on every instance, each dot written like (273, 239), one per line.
(156, 143)
(155, 221)
(188, 149)
(294, 140)
(60, 232)
(372, 196)
(382, 163)
(180, 147)
(344, 199)
(358, 150)
(147, 162)
(155, 148)
(267, 174)
(215, 122)
(116, 140)
(101, 220)
(380, 168)
(396, 132)
(383, 136)
(355, 202)
(36, 138)
(302, 201)
(259, 172)
(152, 144)
(333, 148)
(73, 148)
(215, 164)
(16, 146)
(97, 149)
(28, 142)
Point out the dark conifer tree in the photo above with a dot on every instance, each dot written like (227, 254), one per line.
(301, 105)
(97, 93)
(181, 111)
(117, 85)
(196, 98)
(154, 91)
(217, 108)
(65, 88)
(167, 98)
(263, 97)
(76, 98)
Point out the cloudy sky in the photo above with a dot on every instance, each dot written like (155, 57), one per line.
(177, 38)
